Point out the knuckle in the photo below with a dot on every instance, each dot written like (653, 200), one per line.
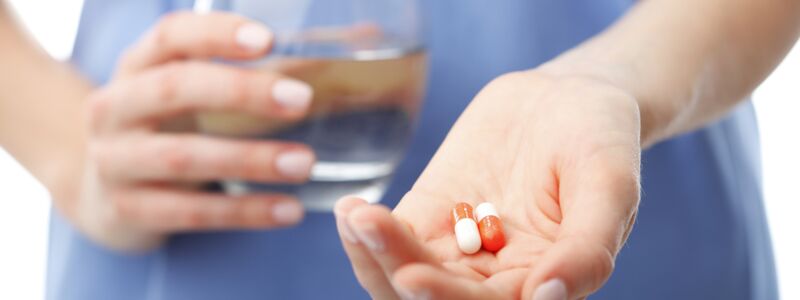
(163, 30)
(254, 164)
(194, 218)
(160, 35)
(167, 80)
(258, 213)
(229, 213)
(223, 165)
(239, 83)
(176, 157)
(209, 44)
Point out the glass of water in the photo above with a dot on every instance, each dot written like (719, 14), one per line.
(367, 65)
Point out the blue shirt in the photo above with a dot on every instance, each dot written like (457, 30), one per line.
(701, 231)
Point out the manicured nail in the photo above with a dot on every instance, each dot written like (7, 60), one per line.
(292, 94)
(553, 289)
(253, 37)
(369, 235)
(287, 212)
(413, 295)
(294, 164)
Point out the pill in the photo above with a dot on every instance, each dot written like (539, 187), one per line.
(466, 229)
(490, 227)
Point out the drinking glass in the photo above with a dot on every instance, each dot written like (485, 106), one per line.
(366, 63)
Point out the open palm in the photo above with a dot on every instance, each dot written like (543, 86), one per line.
(559, 159)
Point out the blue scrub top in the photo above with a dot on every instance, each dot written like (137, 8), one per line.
(701, 232)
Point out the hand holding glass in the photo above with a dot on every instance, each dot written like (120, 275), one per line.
(366, 66)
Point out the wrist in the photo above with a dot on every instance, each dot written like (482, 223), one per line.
(654, 118)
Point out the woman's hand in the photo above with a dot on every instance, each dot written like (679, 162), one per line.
(140, 179)
(559, 158)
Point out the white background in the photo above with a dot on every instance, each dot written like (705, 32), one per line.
(24, 204)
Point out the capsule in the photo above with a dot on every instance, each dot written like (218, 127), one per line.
(490, 227)
(466, 230)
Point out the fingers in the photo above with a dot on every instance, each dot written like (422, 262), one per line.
(378, 245)
(163, 157)
(390, 242)
(184, 35)
(197, 86)
(367, 270)
(423, 281)
(168, 210)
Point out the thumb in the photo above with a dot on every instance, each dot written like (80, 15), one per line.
(598, 206)
(572, 268)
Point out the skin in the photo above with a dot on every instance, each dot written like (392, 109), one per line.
(132, 200)
(543, 178)
(556, 149)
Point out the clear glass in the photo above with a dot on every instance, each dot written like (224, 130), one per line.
(367, 65)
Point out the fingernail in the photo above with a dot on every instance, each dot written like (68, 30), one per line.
(292, 94)
(294, 164)
(287, 212)
(253, 37)
(553, 289)
(413, 295)
(368, 234)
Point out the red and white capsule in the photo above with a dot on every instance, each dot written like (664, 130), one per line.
(490, 227)
(466, 229)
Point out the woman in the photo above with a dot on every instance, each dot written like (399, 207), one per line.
(556, 147)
